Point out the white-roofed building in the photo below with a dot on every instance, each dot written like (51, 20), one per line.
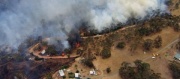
(76, 75)
(43, 52)
(92, 72)
(61, 73)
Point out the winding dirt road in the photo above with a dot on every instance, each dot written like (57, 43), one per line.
(124, 28)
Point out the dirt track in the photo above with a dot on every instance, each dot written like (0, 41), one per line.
(124, 28)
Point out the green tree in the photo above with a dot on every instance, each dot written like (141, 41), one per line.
(77, 71)
(177, 5)
(175, 69)
(148, 44)
(76, 66)
(51, 50)
(133, 47)
(88, 62)
(143, 31)
(68, 55)
(158, 42)
(121, 45)
(108, 70)
(128, 37)
(106, 53)
(49, 76)
(176, 27)
(141, 70)
(155, 28)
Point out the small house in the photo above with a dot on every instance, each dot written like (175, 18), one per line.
(91, 72)
(61, 73)
(77, 75)
(43, 52)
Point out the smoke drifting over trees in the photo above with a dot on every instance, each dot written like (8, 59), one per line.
(56, 19)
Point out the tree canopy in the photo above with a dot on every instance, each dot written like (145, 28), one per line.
(158, 42)
(121, 45)
(141, 70)
(148, 44)
(175, 70)
(106, 52)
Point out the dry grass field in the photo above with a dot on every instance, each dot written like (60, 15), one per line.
(159, 64)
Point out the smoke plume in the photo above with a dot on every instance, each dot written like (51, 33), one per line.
(55, 19)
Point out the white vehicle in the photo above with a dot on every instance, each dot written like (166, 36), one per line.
(153, 57)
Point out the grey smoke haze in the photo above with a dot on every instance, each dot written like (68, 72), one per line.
(20, 19)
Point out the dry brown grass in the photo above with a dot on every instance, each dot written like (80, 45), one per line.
(159, 65)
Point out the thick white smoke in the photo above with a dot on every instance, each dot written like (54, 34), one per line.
(20, 19)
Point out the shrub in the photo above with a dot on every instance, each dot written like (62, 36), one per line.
(175, 69)
(148, 44)
(176, 27)
(157, 42)
(65, 67)
(71, 75)
(64, 77)
(51, 50)
(106, 53)
(141, 70)
(108, 70)
(88, 62)
(121, 45)
(143, 31)
(48, 76)
(77, 71)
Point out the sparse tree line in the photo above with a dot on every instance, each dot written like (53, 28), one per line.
(175, 5)
(156, 23)
(141, 70)
(175, 69)
(149, 44)
(135, 36)
(153, 25)
(105, 52)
